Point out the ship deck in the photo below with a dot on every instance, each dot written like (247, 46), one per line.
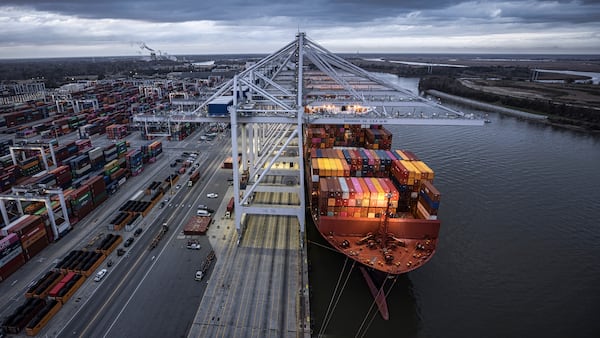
(411, 242)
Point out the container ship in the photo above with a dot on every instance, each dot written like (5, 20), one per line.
(375, 205)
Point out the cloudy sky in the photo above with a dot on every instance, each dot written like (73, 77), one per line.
(51, 28)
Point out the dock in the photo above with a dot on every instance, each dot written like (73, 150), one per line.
(258, 288)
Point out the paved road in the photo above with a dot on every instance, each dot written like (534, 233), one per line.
(137, 276)
(153, 293)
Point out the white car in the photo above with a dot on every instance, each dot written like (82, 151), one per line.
(212, 195)
(199, 275)
(194, 245)
(202, 212)
(100, 275)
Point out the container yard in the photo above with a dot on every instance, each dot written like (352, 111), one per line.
(86, 180)
(63, 170)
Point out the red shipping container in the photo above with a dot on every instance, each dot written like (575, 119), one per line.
(33, 235)
(12, 266)
(35, 248)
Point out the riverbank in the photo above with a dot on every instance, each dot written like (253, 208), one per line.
(508, 111)
(487, 106)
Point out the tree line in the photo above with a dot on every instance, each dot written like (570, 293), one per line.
(557, 112)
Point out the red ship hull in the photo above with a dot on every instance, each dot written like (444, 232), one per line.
(418, 240)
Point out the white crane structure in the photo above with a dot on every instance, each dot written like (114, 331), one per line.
(59, 219)
(300, 84)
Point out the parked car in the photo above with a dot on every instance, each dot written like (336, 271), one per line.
(204, 207)
(128, 242)
(194, 245)
(202, 212)
(100, 275)
(212, 195)
(137, 232)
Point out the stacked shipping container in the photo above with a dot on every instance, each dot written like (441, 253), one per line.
(356, 196)
(31, 232)
(134, 162)
(337, 173)
(328, 136)
(96, 156)
(151, 151)
(116, 131)
(9, 177)
(11, 255)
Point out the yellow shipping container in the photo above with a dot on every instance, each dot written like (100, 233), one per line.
(340, 167)
(426, 172)
(328, 166)
(334, 166)
(414, 173)
(381, 199)
(111, 164)
(403, 155)
(323, 167)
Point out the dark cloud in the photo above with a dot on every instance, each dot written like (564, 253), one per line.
(333, 11)
(173, 11)
(232, 26)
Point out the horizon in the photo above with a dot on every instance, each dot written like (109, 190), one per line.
(258, 55)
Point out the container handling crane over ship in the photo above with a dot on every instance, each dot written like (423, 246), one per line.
(304, 107)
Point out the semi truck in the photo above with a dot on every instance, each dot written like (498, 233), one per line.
(194, 178)
(230, 207)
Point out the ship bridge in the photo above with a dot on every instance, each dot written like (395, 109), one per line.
(267, 106)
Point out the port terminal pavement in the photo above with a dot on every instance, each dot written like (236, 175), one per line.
(258, 288)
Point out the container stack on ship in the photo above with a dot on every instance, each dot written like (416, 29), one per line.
(375, 205)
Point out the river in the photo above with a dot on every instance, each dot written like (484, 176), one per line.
(519, 246)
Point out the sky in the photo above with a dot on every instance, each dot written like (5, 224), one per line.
(62, 28)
